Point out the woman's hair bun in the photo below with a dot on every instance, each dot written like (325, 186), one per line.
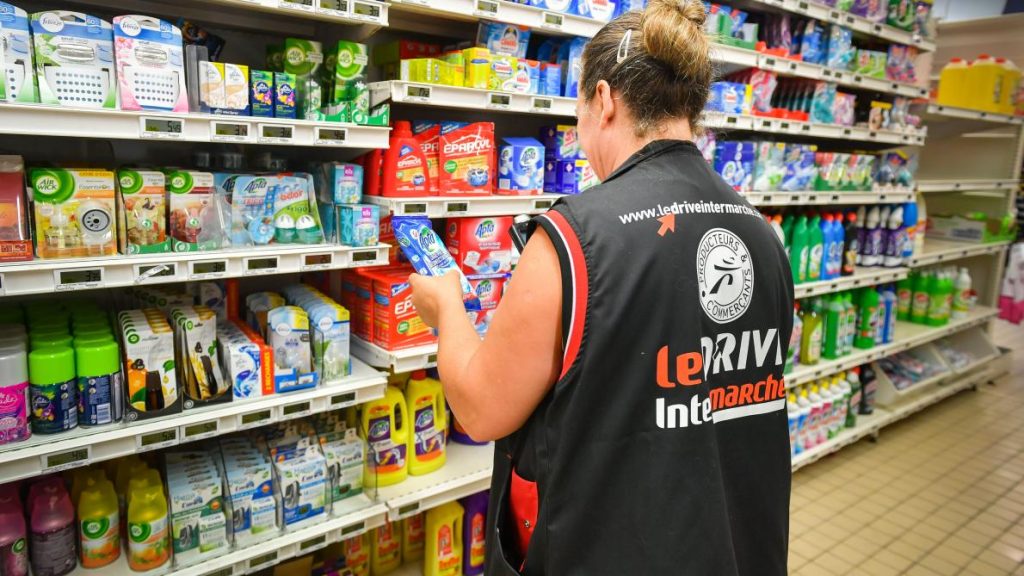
(673, 33)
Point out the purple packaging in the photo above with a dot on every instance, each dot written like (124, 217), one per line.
(560, 142)
(734, 161)
(560, 177)
(550, 79)
(474, 528)
(800, 168)
(730, 97)
(14, 408)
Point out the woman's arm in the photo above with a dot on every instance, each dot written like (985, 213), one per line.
(494, 384)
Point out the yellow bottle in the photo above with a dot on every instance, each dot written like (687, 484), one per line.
(82, 477)
(953, 84)
(357, 554)
(385, 425)
(425, 399)
(443, 555)
(1011, 84)
(413, 530)
(127, 468)
(148, 544)
(985, 84)
(386, 552)
(98, 523)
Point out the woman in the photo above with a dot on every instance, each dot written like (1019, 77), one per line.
(634, 368)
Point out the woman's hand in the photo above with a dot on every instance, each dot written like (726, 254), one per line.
(430, 294)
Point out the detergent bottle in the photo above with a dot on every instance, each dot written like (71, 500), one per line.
(838, 244)
(827, 246)
(98, 524)
(921, 303)
(793, 413)
(904, 298)
(804, 423)
(962, 295)
(817, 414)
(936, 299)
(787, 231)
(444, 540)
(953, 84)
(386, 549)
(867, 323)
(895, 239)
(386, 429)
(1011, 82)
(13, 537)
(947, 286)
(148, 528)
(871, 248)
(985, 84)
(810, 345)
(51, 529)
(424, 397)
(851, 244)
(835, 320)
(799, 250)
(888, 313)
(414, 528)
(794, 338)
(473, 531)
(404, 166)
(910, 224)
(816, 249)
(357, 554)
(829, 410)
(853, 379)
(839, 383)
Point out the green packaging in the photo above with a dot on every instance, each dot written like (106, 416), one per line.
(348, 79)
(304, 59)
(275, 57)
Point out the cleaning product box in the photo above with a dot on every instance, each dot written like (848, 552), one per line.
(586, 178)
(284, 95)
(550, 79)
(560, 177)
(478, 68)
(398, 50)
(734, 161)
(15, 234)
(74, 212)
(489, 289)
(570, 58)
(202, 380)
(503, 39)
(396, 323)
(870, 63)
(247, 361)
(770, 166)
(503, 73)
(428, 135)
(288, 335)
(359, 224)
(194, 223)
(362, 307)
(730, 98)
(466, 160)
(198, 525)
(261, 93)
(142, 202)
(302, 486)
(561, 142)
(17, 52)
(150, 67)
(521, 167)
(480, 245)
(211, 86)
(345, 182)
(74, 59)
(147, 342)
(532, 69)
(976, 228)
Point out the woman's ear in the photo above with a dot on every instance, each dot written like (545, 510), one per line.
(603, 95)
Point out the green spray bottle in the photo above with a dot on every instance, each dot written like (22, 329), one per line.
(815, 249)
(810, 346)
(919, 305)
(867, 324)
(947, 285)
(787, 230)
(904, 298)
(798, 250)
(936, 294)
(835, 320)
(851, 322)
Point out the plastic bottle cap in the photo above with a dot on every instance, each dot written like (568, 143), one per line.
(402, 128)
(983, 56)
(957, 60)
(91, 339)
(42, 324)
(12, 328)
(97, 359)
(51, 365)
(50, 340)
(13, 366)
(419, 375)
(91, 330)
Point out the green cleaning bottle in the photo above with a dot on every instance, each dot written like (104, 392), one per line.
(835, 320)
(851, 322)
(936, 295)
(867, 325)
(810, 347)
(920, 304)
(816, 249)
(904, 298)
(798, 250)
(948, 287)
(787, 230)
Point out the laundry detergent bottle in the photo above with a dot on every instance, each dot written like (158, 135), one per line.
(443, 556)
(404, 168)
(386, 429)
(413, 532)
(424, 397)
(98, 524)
(474, 528)
(953, 84)
(386, 551)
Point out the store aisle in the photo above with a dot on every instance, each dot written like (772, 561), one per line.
(939, 493)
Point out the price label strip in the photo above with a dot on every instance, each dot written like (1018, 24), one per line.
(221, 131)
(161, 128)
(552, 21)
(296, 410)
(66, 460)
(343, 400)
(156, 440)
(367, 11)
(295, 6)
(78, 279)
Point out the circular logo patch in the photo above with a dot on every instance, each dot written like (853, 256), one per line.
(725, 275)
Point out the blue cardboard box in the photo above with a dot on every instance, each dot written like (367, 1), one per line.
(521, 167)
(560, 177)
(561, 142)
(359, 224)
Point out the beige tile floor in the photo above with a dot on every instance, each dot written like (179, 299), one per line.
(939, 493)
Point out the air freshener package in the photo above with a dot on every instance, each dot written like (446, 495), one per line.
(236, 90)
(735, 162)
(150, 67)
(74, 212)
(284, 95)
(15, 233)
(288, 335)
(74, 59)
(247, 361)
(348, 79)
(359, 224)
(196, 219)
(150, 376)
(249, 482)
(143, 205)
(770, 168)
(17, 52)
(261, 93)
(345, 453)
(195, 332)
(198, 524)
(302, 486)
(330, 334)
(424, 249)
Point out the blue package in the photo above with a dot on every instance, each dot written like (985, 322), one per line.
(560, 177)
(452, 125)
(359, 224)
(623, 6)
(600, 10)
(550, 79)
(823, 103)
(533, 69)
(346, 182)
(570, 58)
(553, 5)
(800, 168)
(840, 48)
(728, 97)
(812, 45)
(422, 125)
(734, 161)
(548, 50)
(428, 255)
(561, 142)
(500, 38)
(521, 166)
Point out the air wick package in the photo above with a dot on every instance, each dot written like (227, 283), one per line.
(151, 379)
(74, 212)
(195, 332)
(74, 59)
(301, 477)
(770, 168)
(521, 167)
(289, 338)
(150, 67)
(427, 254)
(480, 245)
(198, 524)
(345, 453)
(16, 43)
(246, 359)
(304, 58)
(348, 79)
(195, 216)
(141, 197)
(466, 160)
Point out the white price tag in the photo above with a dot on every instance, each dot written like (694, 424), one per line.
(343, 400)
(486, 9)
(330, 136)
(499, 101)
(77, 279)
(296, 410)
(66, 460)
(367, 11)
(363, 258)
(192, 432)
(552, 21)
(417, 93)
(161, 128)
(255, 419)
(260, 265)
(206, 270)
(156, 440)
(285, 4)
(275, 134)
(316, 262)
(542, 105)
(263, 561)
(222, 131)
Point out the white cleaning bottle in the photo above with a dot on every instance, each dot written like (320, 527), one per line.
(962, 295)
(871, 249)
(895, 240)
(806, 420)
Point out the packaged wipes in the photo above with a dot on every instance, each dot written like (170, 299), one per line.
(422, 246)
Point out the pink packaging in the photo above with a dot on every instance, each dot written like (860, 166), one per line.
(13, 395)
(480, 245)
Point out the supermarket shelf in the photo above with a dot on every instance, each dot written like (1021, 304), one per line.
(925, 384)
(867, 425)
(916, 403)
(358, 514)
(722, 121)
(398, 361)
(800, 69)
(71, 274)
(358, 12)
(470, 98)
(42, 454)
(908, 335)
(470, 206)
(466, 471)
(936, 251)
(938, 112)
(41, 120)
(502, 11)
(967, 185)
(856, 23)
(819, 197)
(862, 277)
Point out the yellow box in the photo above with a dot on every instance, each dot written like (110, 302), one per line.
(478, 67)
(503, 73)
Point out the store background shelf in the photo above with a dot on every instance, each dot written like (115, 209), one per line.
(858, 24)
(469, 206)
(470, 98)
(548, 22)
(82, 446)
(64, 275)
(41, 120)
(398, 361)
(862, 277)
(867, 425)
(746, 122)
(936, 251)
(966, 185)
(938, 113)
(826, 197)
(466, 471)
(359, 12)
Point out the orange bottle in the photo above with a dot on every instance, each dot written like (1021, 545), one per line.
(404, 170)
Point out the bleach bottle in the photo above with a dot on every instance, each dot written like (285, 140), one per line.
(962, 296)
(424, 398)
(910, 225)
(413, 532)
(835, 320)
(474, 529)
(838, 244)
(828, 246)
(867, 323)
(799, 252)
(895, 239)
(953, 84)
(804, 423)
(386, 551)
(444, 552)
(904, 298)
(810, 345)
(13, 541)
(795, 337)
(871, 248)
(386, 429)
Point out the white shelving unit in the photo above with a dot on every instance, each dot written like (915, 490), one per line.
(747, 122)
(939, 113)
(398, 361)
(825, 13)
(501, 11)
(470, 98)
(468, 206)
(862, 277)
(979, 185)
(937, 251)
(827, 197)
(355, 12)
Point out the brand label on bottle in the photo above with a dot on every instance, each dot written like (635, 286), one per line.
(14, 413)
(54, 407)
(476, 540)
(53, 553)
(387, 456)
(101, 541)
(814, 345)
(429, 440)
(447, 555)
(14, 558)
(99, 399)
(814, 264)
(920, 305)
(147, 544)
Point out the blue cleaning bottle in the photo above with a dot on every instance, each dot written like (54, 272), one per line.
(826, 247)
(910, 224)
(839, 236)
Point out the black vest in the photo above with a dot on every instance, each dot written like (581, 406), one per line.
(663, 448)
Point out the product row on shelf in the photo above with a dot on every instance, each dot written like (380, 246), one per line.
(987, 84)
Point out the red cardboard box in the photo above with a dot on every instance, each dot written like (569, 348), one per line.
(480, 245)
(396, 323)
(467, 163)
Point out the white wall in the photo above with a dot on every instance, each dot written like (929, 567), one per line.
(951, 10)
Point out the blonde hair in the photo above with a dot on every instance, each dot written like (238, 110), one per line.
(658, 61)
